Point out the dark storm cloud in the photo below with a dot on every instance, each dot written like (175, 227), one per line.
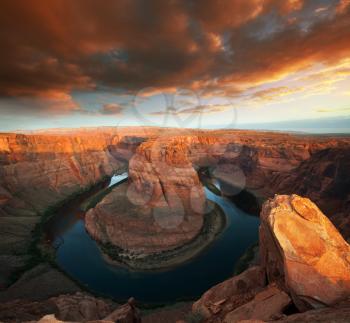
(51, 48)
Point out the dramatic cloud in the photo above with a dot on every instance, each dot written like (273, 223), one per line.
(52, 48)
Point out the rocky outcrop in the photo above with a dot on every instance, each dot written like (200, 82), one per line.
(162, 207)
(306, 263)
(337, 314)
(303, 252)
(127, 313)
(267, 305)
(79, 307)
(162, 173)
(138, 230)
(231, 293)
(39, 283)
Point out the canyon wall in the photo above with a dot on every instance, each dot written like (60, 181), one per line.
(265, 164)
(260, 163)
(38, 170)
(42, 169)
(165, 204)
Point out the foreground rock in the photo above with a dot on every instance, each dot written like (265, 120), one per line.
(303, 252)
(338, 314)
(266, 305)
(79, 307)
(231, 293)
(307, 265)
(126, 313)
(39, 283)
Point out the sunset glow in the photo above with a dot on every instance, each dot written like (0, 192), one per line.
(87, 63)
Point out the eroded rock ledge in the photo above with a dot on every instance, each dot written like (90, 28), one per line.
(305, 266)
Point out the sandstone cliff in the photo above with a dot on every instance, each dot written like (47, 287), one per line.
(42, 169)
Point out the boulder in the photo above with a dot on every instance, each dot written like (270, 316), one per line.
(303, 252)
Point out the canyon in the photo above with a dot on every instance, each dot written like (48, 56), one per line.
(166, 207)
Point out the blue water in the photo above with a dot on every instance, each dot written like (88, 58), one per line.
(118, 178)
(78, 255)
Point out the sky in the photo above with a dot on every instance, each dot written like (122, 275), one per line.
(259, 64)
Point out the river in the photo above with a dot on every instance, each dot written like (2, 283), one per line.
(79, 256)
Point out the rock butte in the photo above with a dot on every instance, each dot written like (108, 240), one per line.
(162, 208)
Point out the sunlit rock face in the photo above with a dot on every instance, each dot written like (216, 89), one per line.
(303, 252)
(38, 171)
(162, 175)
(305, 265)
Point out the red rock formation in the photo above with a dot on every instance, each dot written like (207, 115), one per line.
(337, 314)
(162, 171)
(41, 169)
(266, 305)
(230, 294)
(162, 208)
(139, 230)
(303, 252)
(306, 262)
(79, 307)
(38, 171)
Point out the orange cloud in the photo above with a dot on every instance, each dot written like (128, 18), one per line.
(343, 6)
(212, 47)
(275, 93)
